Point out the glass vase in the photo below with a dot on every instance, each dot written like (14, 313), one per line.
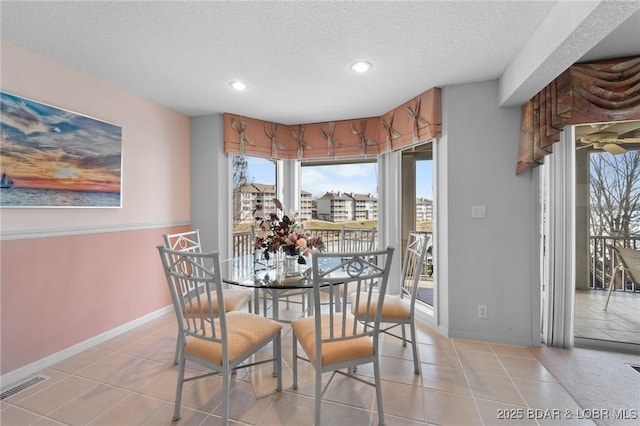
(276, 260)
(291, 265)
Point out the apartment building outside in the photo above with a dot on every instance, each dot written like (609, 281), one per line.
(365, 206)
(335, 207)
(343, 206)
(424, 209)
(251, 193)
(306, 206)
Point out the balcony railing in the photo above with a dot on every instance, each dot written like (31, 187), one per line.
(603, 260)
(243, 242)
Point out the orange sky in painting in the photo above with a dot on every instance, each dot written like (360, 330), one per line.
(77, 179)
(48, 170)
(66, 184)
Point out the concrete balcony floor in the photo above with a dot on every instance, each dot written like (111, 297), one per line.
(619, 323)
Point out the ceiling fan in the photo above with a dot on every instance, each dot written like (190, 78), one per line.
(606, 139)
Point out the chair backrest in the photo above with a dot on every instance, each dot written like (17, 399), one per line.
(412, 265)
(199, 275)
(357, 239)
(184, 241)
(336, 272)
(630, 259)
(188, 242)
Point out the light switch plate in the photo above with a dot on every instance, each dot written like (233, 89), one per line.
(478, 212)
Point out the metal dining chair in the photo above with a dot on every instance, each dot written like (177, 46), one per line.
(399, 310)
(221, 342)
(629, 267)
(353, 239)
(235, 298)
(332, 339)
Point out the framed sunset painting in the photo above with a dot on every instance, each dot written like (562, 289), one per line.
(52, 157)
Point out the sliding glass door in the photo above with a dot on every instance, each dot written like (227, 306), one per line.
(417, 210)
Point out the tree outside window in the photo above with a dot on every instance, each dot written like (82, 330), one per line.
(615, 194)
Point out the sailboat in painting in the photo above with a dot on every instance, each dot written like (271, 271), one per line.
(6, 182)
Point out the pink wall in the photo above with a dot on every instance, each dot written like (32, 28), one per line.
(155, 145)
(67, 275)
(60, 291)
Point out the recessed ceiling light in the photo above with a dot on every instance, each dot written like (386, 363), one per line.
(361, 66)
(238, 85)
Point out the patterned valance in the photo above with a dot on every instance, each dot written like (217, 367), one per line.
(416, 120)
(595, 92)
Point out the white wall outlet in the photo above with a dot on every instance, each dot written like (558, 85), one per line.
(482, 311)
(478, 212)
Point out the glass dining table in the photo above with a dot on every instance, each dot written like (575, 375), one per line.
(283, 279)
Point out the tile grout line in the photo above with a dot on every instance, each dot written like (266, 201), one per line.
(466, 379)
(514, 383)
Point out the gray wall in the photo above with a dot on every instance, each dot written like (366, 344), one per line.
(489, 261)
(208, 182)
(480, 261)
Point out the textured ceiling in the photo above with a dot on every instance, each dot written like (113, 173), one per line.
(295, 56)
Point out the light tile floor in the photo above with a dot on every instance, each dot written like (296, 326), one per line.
(130, 380)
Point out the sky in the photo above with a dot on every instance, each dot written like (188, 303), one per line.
(47, 147)
(359, 178)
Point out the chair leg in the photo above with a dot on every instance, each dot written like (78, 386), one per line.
(294, 367)
(277, 356)
(226, 387)
(176, 358)
(414, 345)
(177, 406)
(318, 399)
(404, 336)
(376, 375)
(611, 284)
(177, 354)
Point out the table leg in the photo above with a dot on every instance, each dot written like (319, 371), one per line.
(276, 302)
(256, 298)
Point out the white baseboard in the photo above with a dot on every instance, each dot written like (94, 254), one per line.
(7, 380)
(492, 338)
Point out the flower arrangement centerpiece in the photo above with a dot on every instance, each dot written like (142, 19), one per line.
(277, 232)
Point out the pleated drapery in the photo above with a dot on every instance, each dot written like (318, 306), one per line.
(416, 120)
(595, 92)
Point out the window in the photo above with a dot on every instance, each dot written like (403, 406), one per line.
(418, 208)
(340, 192)
(253, 179)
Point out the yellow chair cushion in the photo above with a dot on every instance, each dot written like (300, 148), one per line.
(393, 307)
(245, 332)
(332, 352)
(234, 299)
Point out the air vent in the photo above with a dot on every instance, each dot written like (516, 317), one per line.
(22, 386)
